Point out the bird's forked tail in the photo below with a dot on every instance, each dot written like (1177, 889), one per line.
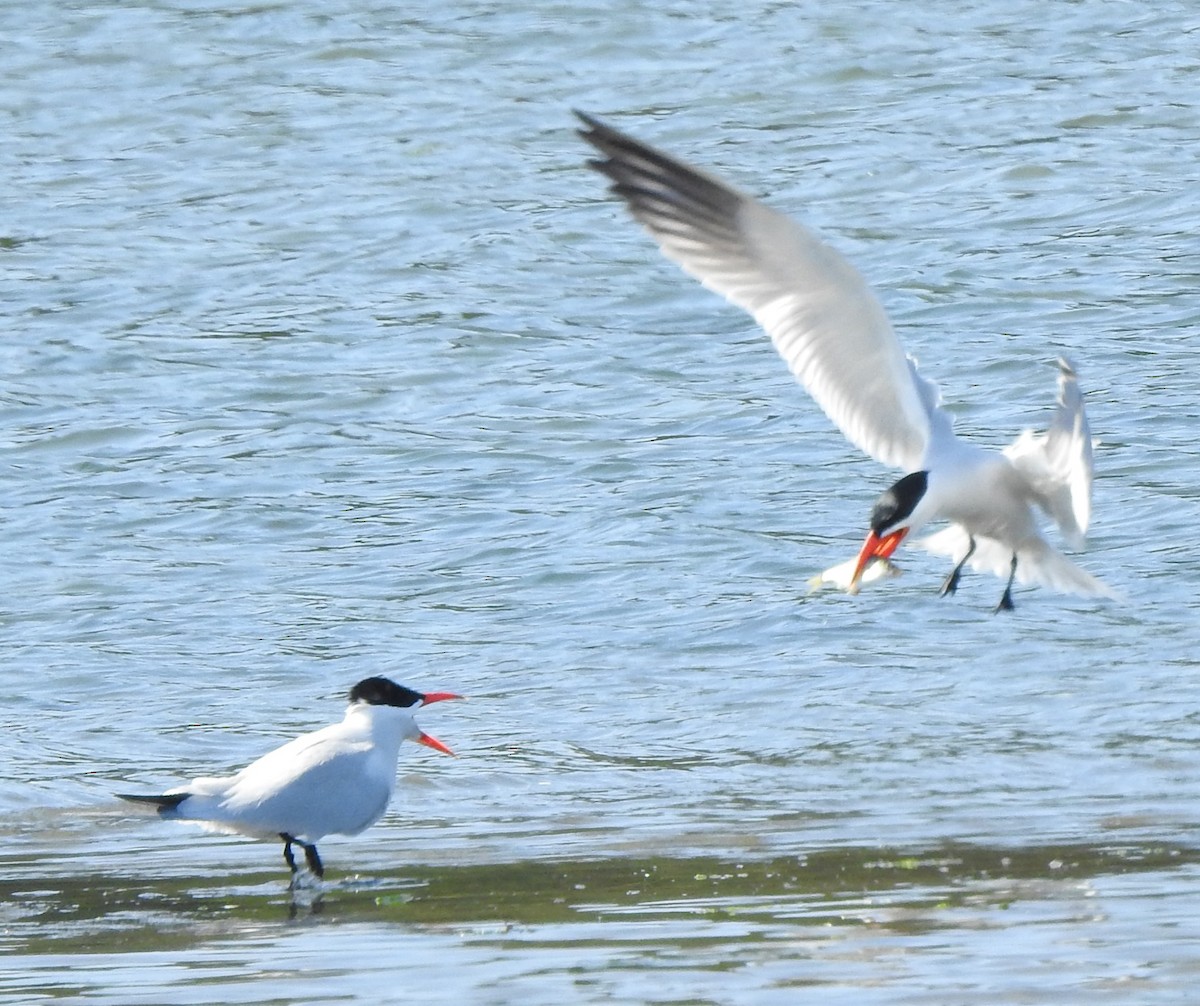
(165, 802)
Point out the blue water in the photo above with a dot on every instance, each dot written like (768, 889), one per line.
(325, 356)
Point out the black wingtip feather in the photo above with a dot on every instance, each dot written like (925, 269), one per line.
(658, 188)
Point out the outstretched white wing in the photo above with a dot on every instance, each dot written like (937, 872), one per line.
(1058, 463)
(821, 315)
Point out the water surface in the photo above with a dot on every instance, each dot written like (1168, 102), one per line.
(325, 356)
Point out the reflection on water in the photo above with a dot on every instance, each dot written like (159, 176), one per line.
(860, 924)
(900, 889)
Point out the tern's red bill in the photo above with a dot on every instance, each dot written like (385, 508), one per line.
(438, 697)
(875, 547)
(433, 742)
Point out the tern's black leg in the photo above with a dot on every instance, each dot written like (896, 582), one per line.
(310, 854)
(287, 850)
(950, 584)
(1006, 601)
(314, 861)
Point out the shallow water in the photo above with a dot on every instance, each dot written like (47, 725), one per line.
(326, 357)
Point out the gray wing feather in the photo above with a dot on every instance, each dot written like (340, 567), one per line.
(819, 311)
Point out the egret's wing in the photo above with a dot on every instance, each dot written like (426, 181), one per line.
(817, 308)
(1058, 463)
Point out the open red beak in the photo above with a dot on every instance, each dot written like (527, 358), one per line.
(875, 547)
(433, 742)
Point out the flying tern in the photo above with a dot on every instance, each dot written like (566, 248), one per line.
(835, 337)
(337, 780)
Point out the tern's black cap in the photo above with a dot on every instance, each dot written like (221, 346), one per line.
(385, 692)
(899, 501)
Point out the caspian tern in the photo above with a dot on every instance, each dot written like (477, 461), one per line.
(337, 780)
(836, 339)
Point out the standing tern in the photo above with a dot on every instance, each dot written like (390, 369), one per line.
(337, 780)
(836, 339)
